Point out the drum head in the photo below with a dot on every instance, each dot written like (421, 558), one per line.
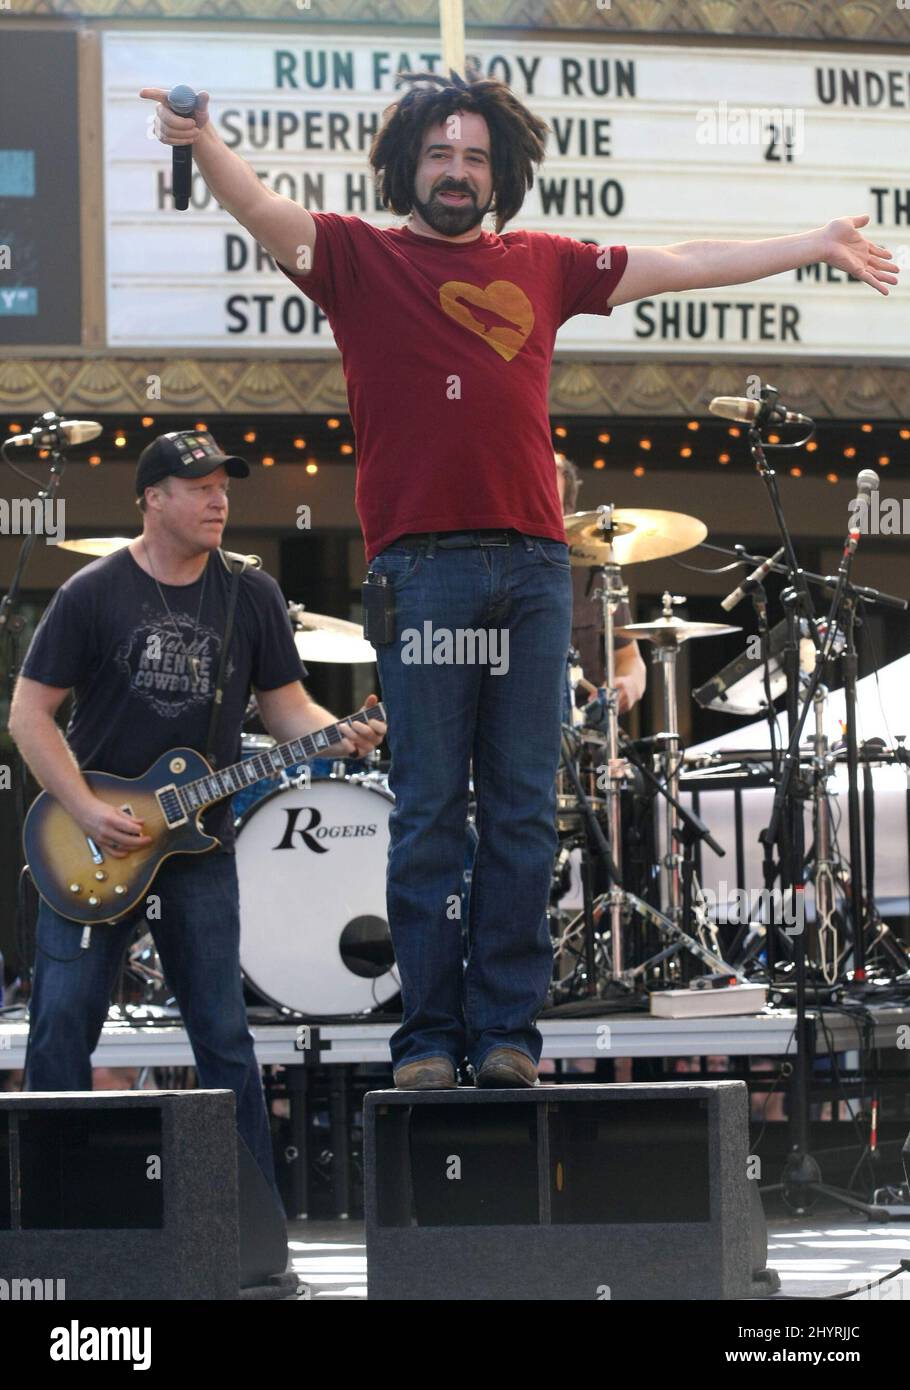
(311, 863)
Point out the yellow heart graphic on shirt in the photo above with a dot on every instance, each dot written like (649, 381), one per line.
(501, 314)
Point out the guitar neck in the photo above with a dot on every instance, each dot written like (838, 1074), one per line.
(205, 791)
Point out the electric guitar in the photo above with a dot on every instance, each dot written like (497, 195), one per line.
(75, 876)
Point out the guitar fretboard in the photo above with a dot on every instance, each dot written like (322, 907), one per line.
(205, 791)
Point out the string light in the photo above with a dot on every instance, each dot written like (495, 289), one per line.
(201, 427)
(333, 423)
(832, 478)
(773, 438)
(120, 440)
(723, 458)
(644, 443)
(884, 460)
(904, 434)
(639, 470)
(268, 461)
(300, 442)
(600, 463)
(866, 429)
(347, 448)
(148, 420)
(812, 446)
(603, 439)
(850, 452)
(561, 432)
(693, 425)
(734, 431)
(685, 453)
(312, 467)
(796, 472)
(250, 437)
(15, 429)
(94, 460)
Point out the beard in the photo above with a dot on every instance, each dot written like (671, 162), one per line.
(450, 219)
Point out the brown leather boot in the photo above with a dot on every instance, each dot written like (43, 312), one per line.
(427, 1074)
(506, 1066)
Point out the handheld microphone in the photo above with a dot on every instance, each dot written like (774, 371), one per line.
(73, 431)
(182, 101)
(753, 581)
(745, 409)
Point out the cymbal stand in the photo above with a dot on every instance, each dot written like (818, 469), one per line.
(665, 655)
(612, 593)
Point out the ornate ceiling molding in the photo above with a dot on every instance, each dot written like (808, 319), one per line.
(275, 386)
(878, 21)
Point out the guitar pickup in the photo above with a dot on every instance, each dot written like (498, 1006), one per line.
(169, 801)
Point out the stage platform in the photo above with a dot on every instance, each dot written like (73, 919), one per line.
(815, 1258)
(165, 1043)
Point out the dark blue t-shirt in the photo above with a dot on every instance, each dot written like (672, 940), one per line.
(107, 635)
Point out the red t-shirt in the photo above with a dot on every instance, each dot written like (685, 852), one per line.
(446, 348)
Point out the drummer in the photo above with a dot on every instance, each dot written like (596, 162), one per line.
(587, 621)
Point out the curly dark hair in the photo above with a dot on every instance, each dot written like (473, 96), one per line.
(517, 137)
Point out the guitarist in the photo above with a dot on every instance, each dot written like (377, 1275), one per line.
(137, 638)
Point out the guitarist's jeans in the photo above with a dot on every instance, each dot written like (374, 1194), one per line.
(198, 940)
(445, 717)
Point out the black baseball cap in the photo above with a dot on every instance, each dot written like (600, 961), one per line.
(184, 454)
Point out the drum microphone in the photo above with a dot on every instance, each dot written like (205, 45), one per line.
(182, 101)
(745, 409)
(50, 426)
(753, 581)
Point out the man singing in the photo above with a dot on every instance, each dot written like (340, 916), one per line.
(446, 333)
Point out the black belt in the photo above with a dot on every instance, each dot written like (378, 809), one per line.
(457, 540)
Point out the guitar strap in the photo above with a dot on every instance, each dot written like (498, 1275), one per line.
(236, 564)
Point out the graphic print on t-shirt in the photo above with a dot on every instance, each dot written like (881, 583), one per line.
(501, 313)
(160, 671)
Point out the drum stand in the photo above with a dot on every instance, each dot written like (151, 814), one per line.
(617, 901)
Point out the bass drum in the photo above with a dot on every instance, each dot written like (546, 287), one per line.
(311, 863)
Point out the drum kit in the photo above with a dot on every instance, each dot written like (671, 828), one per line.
(335, 959)
(315, 940)
(592, 946)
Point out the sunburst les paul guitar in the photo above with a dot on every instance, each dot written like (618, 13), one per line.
(75, 876)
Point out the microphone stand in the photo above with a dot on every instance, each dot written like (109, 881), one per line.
(801, 1177)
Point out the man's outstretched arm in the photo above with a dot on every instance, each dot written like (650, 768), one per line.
(283, 227)
(702, 265)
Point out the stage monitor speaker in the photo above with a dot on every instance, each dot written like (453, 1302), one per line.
(563, 1192)
(119, 1194)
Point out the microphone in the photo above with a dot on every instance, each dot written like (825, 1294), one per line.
(866, 484)
(753, 581)
(744, 409)
(866, 481)
(182, 101)
(73, 431)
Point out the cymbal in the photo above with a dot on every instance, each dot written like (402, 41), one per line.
(670, 632)
(318, 637)
(637, 534)
(95, 545)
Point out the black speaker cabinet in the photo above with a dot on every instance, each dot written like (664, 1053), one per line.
(119, 1194)
(562, 1192)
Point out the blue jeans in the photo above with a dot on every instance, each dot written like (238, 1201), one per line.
(444, 720)
(198, 941)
